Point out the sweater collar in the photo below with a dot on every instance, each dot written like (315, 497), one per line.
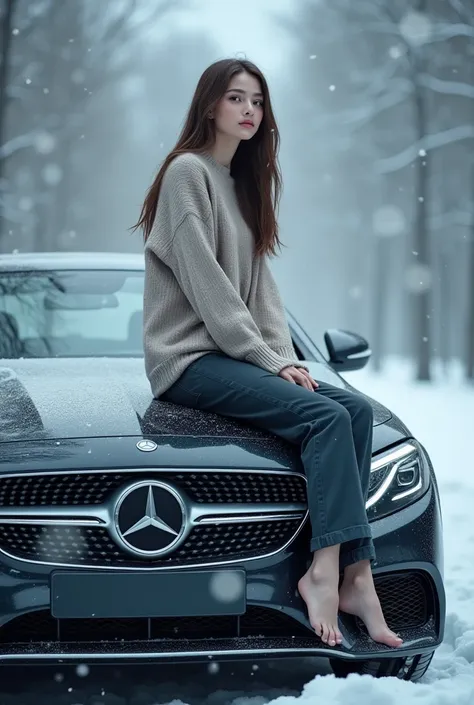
(225, 170)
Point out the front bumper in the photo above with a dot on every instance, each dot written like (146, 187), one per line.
(235, 649)
(408, 573)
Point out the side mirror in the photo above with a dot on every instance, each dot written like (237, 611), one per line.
(347, 351)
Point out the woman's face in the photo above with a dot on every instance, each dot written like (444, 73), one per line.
(240, 111)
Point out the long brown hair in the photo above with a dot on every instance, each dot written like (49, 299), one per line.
(254, 166)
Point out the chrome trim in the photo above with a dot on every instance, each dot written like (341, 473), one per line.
(137, 471)
(214, 513)
(392, 455)
(397, 457)
(359, 355)
(407, 493)
(413, 647)
(249, 519)
(54, 522)
(196, 514)
(41, 514)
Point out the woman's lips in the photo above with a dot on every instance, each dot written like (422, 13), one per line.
(246, 124)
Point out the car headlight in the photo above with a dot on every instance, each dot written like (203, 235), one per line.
(398, 477)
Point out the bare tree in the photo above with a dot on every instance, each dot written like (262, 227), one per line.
(465, 14)
(6, 29)
(399, 52)
(74, 51)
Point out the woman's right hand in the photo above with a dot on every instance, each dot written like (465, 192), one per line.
(298, 375)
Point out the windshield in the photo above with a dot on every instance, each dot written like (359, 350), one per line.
(71, 314)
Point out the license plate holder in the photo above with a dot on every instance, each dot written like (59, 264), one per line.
(139, 594)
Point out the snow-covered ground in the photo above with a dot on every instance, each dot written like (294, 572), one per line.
(441, 415)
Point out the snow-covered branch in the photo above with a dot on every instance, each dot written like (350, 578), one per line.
(447, 87)
(367, 110)
(429, 142)
(447, 30)
(17, 143)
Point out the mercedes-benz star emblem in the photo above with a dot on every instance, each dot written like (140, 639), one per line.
(147, 446)
(149, 518)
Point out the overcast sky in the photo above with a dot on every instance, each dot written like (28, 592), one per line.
(245, 27)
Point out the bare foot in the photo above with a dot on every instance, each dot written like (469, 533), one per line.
(357, 596)
(321, 597)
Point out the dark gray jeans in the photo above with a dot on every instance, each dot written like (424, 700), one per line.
(332, 426)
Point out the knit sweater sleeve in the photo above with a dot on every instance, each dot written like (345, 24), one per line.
(267, 309)
(191, 255)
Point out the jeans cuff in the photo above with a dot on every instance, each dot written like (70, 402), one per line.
(341, 536)
(363, 553)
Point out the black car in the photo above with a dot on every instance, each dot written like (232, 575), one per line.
(133, 529)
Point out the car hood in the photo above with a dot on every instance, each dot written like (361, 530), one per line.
(90, 398)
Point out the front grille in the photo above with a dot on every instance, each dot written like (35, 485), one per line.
(406, 599)
(206, 487)
(79, 545)
(257, 621)
(58, 518)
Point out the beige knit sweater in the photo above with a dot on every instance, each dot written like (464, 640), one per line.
(205, 289)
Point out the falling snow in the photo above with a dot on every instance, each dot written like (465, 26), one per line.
(226, 586)
(25, 204)
(396, 52)
(415, 28)
(52, 174)
(388, 221)
(418, 278)
(44, 142)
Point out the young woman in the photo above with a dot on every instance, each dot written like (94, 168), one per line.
(216, 337)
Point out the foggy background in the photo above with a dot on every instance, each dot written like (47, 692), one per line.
(375, 103)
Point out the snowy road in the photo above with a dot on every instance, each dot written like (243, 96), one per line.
(441, 415)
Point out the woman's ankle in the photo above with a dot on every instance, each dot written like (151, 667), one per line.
(325, 563)
(358, 570)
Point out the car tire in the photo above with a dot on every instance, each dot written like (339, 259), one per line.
(407, 669)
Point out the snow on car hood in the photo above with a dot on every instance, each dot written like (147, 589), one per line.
(92, 397)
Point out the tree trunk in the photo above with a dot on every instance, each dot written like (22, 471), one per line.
(470, 305)
(443, 332)
(6, 38)
(421, 321)
(380, 301)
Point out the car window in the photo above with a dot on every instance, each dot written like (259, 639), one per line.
(71, 313)
(77, 313)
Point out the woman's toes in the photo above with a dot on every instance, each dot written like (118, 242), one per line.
(325, 634)
(397, 641)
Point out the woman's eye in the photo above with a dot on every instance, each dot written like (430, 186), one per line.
(235, 97)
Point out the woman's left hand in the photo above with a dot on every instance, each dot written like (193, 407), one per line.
(298, 375)
(312, 381)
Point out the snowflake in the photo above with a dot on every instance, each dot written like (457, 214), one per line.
(415, 28)
(388, 221)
